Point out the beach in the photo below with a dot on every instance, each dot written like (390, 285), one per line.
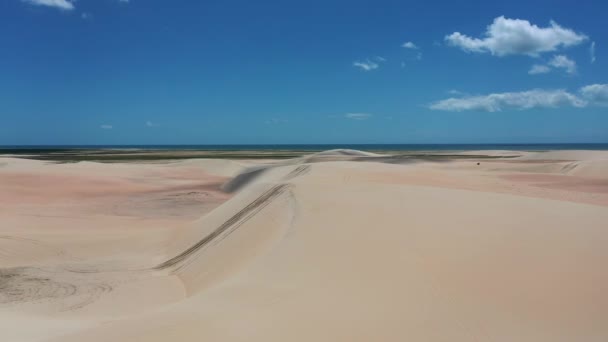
(340, 245)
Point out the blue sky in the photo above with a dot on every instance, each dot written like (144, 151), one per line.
(267, 72)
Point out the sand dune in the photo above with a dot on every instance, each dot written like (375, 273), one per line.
(342, 245)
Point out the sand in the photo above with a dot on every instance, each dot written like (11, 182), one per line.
(335, 246)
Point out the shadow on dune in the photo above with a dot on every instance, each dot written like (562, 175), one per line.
(243, 179)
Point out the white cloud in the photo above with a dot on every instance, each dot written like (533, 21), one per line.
(106, 126)
(151, 124)
(517, 37)
(557, 62)
(85, 15)
(409, 45)
(417, 55)
(563, 62)
(539, 69)
(496, 102)
(591, 95)
(592, 52)
(366, 65)
(357, 116)
(370, 63)
(61, 4)
(596, 93)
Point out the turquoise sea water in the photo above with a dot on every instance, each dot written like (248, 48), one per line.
(364, 147)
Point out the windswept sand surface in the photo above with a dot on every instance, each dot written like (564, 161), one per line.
(336, 246)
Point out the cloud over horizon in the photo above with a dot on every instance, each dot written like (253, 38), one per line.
(517, 37)
(595, 94)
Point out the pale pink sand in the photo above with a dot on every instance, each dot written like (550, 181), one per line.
(329, 251)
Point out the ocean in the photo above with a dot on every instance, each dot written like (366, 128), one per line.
(311, 147)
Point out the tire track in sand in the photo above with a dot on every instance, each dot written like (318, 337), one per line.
(31, 285)
(228, 226)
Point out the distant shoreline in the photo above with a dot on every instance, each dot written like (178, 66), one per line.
(158, 153)
(8, 149)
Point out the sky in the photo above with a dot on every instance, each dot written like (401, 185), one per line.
(121, 72)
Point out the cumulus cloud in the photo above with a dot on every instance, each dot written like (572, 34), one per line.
(563, 62)
(592, 52)
(591, 95)
(557, 62)
(151, 124)
(357, 116)
(106, 126)
(61, 4)
(497, 102)
(517, 37)
(596, 93)
(409, 45)
(539, 69)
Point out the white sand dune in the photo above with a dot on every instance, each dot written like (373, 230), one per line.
(336, 155)
(315, 249)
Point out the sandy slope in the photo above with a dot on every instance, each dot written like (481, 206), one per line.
(322, 248)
